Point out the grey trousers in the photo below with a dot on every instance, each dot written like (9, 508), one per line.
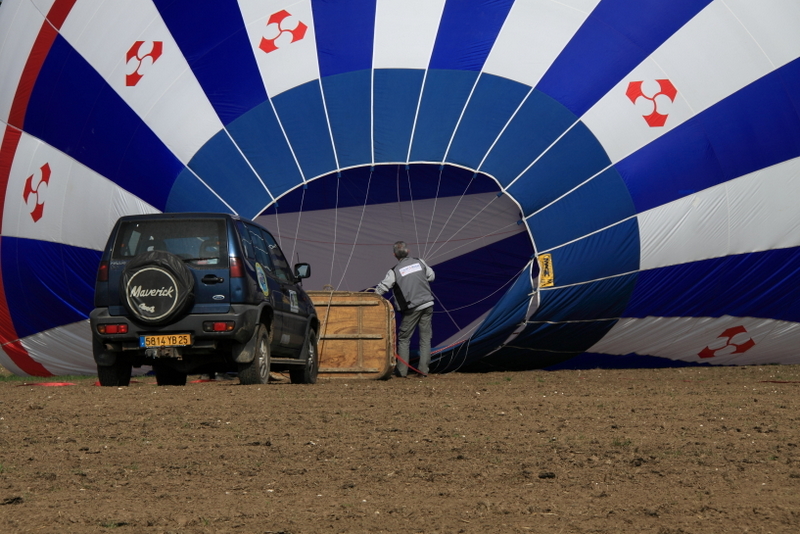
(411, 319)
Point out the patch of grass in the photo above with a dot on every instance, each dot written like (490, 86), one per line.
(7, 376)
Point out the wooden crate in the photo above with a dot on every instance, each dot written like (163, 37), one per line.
(356, 334)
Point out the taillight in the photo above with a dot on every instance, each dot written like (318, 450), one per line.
(218, 326)
(102, 272)
(236, 268)
(112, 328)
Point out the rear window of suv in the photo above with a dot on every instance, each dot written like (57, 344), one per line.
(196, 241)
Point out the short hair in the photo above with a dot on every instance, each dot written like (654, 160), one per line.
(400, 250)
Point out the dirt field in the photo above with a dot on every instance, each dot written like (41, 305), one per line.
(693, 450)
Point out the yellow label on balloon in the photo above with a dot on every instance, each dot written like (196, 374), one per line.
(546, 265)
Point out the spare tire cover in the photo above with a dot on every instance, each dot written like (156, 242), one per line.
(157, 287)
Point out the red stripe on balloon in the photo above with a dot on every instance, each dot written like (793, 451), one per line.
(41, 48)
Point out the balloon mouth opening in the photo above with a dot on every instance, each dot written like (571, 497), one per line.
(345, 223)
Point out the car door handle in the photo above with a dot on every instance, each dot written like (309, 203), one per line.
(212, 279)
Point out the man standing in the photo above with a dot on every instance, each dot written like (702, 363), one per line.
(409, 280)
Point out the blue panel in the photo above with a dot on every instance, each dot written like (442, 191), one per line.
(790, 74)
(501, 322)
(607, 253)
(303, 117)
(47, 284)
(752, 129)
(347, 98)
(443, 100)
(604, 299)
(396, 95)
(616, 37)
(543, 346)
(467, 32)
(574, 159)
(564, 337)
(490, 107)
(258, 135)
(344, 32)
(509, 311)
(73, 109)
(213, 39)
(677, 164)
(220, 165)
(759, 284)
(188, 194)
(499, 265)
(518, 358)
(538, 123)
(600, 203)
(762, 118)
(591, 360)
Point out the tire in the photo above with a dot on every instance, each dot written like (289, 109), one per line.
(116, 375)
(167, 376)
(257, 371)
(156, 287)
(308, 373)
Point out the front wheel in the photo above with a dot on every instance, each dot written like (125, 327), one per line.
(308, 373)
(257, 370)
(115, 375)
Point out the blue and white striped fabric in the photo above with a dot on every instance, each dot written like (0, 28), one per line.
(595, 182)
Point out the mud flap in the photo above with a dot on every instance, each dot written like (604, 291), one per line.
(304, 351)
(245, 352)
(103, 356)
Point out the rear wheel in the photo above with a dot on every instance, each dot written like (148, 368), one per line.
(257, 371)
(115, 375)
(308, 373)
(167, 376)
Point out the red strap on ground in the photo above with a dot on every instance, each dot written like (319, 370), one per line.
(410, 367)
(50, 384)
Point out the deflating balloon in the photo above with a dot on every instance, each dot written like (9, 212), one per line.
(595, 182)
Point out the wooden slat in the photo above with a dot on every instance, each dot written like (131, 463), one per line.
(356, 334)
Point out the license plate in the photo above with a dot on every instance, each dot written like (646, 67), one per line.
(166, 340)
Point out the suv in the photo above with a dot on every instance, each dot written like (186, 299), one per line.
(192, 293)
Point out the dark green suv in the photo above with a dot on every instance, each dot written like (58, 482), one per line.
(195, 293)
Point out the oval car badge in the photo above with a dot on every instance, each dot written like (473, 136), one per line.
(218, 297)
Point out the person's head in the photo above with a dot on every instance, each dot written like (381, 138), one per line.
(400, 250)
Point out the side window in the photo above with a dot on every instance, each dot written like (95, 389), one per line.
(282, 269)
(260, 248)
(247, 242)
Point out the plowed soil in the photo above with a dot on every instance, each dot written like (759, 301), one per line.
(668, 451)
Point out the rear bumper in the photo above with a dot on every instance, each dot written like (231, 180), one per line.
(244, 317)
